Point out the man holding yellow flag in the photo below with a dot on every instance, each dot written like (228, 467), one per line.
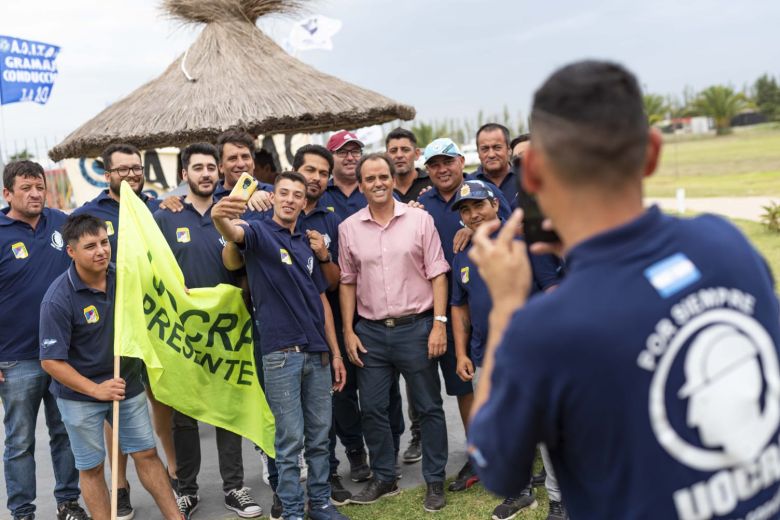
(197, 246)
(296, 335)
(76, 335)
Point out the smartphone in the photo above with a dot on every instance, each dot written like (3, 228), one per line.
(532, 216)
(245, 186)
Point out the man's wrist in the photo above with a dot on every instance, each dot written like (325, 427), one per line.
(328, 258)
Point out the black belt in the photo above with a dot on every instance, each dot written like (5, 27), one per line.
(403, 320)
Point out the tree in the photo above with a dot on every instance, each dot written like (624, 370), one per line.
(766, 96)
(720, 103)
(655, 108)
(24, 155)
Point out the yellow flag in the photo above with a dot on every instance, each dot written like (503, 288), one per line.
(197, 346)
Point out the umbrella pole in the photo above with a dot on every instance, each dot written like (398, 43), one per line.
(115, 448)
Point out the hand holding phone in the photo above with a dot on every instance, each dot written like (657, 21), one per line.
(245, 187)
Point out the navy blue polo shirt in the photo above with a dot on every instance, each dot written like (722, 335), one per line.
(468, 288)
(651, 374)
(220, 191)
(448, 222)
(508, 185)
(343, 206)
(420, 182)
(326, 222)
(30, 260)
(196, 244)
(285, 274)
(77, 326)
(107, 209)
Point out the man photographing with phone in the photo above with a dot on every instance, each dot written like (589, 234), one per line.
(657, 351)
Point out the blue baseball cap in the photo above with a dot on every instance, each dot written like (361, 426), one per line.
(441, 146)
(472, 190)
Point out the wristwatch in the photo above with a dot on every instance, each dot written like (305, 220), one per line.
(442, 319)
(327, 260)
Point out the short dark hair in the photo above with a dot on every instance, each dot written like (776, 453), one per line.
(400, 133)
(235, 137)
(519, 139)
(264, 158)
(292, 176)
(22, 168)
(590, 119)
(197, 148)
(492, 127)
(373, 157)
(125, 148)
(76, 226)
(313, 149)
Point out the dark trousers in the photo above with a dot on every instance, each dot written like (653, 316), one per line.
(186, 441)
(347, 424)
(401, 349)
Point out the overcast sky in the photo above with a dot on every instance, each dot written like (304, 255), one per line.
(447, 58)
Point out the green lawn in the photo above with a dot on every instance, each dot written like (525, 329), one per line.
(765, 241)
(742, 164)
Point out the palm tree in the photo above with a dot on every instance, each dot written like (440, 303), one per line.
(655, 108)
(720, 103)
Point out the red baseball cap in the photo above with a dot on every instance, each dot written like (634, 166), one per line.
(341, 138)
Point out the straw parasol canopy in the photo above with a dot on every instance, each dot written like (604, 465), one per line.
(232, 76)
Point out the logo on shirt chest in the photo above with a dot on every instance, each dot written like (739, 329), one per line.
(56, 241)
(91, 314)
(183, 235)
(285, 255)
(109, 228)
(310, 264)
(19, 250)
(331, 209)
(464, 274)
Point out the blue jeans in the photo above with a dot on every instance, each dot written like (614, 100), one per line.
(400, 349)
(25, 386)
(298, 390)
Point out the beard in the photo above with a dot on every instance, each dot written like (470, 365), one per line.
(115, 185)
(197, 191)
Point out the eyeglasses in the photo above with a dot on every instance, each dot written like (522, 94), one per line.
(354, 153)
(124, 171)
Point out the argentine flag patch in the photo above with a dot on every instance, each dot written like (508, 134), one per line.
(672, 274)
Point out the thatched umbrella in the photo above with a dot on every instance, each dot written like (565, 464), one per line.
(232, 76)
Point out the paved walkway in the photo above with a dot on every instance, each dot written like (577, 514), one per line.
(746, 208)
(211, 496)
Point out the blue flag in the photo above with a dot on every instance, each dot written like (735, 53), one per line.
(27, 70)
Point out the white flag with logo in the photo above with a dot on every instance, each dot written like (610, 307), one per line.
(315, 32)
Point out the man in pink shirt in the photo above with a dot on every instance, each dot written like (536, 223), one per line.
(393, 270)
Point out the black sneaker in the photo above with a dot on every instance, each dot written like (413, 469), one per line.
(240, 501)
(338, 494)
(413, 452)
(124, 510)
(325, 512)
(187, 505)
(375, 490)
(358, 466)
(466, 478)
(557, 511)
(538, 479)
(71, 511)
(509, 508)
(434, 497)
(276, 509)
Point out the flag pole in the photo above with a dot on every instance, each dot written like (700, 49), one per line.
(115, 448)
